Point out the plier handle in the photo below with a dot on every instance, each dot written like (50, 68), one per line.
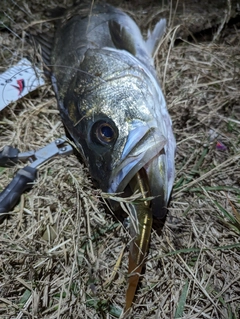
(26, 176)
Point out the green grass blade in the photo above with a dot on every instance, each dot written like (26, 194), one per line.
(24, 298)
(182, 301)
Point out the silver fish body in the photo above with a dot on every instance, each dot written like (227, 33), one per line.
(110, 100)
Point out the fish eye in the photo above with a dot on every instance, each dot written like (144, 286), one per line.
(103, 132)
(106, 132)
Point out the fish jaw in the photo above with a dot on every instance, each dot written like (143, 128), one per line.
(146, 147)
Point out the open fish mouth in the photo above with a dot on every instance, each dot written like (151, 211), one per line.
(143, 149)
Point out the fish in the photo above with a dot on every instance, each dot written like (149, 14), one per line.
(112, 106)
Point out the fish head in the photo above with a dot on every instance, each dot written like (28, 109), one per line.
(117, 116)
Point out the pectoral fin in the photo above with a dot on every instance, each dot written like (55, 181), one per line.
(121, 38)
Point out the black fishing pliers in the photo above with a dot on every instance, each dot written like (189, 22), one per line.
(26, 176)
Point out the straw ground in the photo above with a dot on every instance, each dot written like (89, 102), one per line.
(63, 256)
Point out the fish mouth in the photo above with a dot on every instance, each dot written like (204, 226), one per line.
(144, 149)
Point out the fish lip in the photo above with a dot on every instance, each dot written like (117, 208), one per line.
(136, 156)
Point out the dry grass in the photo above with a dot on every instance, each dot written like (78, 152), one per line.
(61, 253)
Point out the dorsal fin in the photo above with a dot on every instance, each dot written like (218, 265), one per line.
(155, 36)
(121, 38)
(45, 41)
